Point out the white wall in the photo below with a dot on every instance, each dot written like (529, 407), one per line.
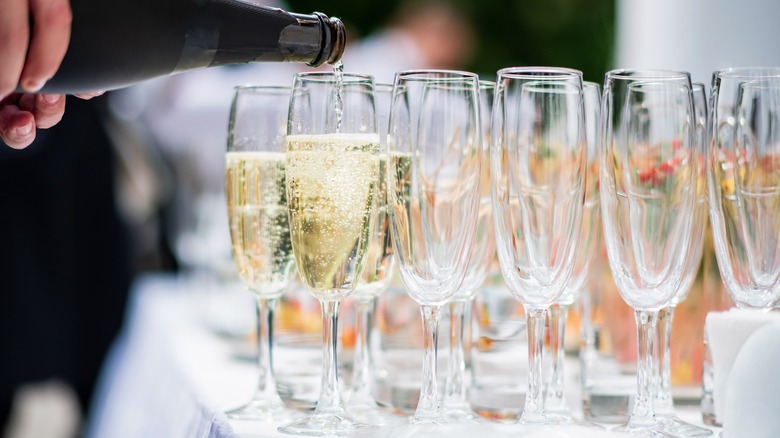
(699, 36)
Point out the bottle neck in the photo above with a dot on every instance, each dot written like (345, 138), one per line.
(232, 32)
(334, 38)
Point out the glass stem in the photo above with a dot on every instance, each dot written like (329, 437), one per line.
(266, 385)
(533, 412)
(642, 412)
(427, 406)
(468, 343)
(361, 371)
(588, 338)
(663, 400)
(330, 400)
(554, 400)
(455, 391)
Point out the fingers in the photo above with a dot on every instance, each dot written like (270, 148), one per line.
(17, 126)
(87, 96)
(30, 62)
(48, 109)
(21, 114)
(14, 38)
(50, 38)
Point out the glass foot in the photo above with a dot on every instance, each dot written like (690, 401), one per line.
(565, 418)
(427, 419)
(371, 414)
(533, 418)
(679, 428)
(263, 410)
(323, 425)
(644, 431)
(461, 414)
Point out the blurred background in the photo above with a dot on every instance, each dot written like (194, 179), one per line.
(491, 34)
(131, 183)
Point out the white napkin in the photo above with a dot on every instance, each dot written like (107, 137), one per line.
(726, 332)
(753, 402)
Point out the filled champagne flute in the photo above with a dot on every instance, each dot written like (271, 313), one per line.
(332, 174)
(377, 274)
(663, 403)
(538, 161)
(744, 183)
(435, 165)
(455, 402)
(555, 406)
(259, 230)
(647, 187)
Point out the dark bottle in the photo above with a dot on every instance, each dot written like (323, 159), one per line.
(115, 43)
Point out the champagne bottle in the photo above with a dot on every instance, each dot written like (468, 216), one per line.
(115, 43)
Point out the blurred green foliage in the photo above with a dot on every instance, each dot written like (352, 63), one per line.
(567, 33)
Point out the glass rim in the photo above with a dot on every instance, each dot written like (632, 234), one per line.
(762, 83)
(485, 85)
(648, 74)
(434, 74)
(640, 86)
(591, 84)
(330, 77)
(531, 72)
(551, 87)
(747, 72)
(262, 87)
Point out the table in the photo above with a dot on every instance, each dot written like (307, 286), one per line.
(170, 375)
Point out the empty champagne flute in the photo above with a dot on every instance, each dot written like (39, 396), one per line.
(332, 173)
(259, 231)
(555, 406)
(538, 160)
(744, 183)
(377, 274)
(647, 188)
(435, 162)
(455, 403)
(663, 403)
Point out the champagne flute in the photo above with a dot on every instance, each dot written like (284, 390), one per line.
(743, 183)
(455, 403)
(259, 231)
(377, 274)
(537, 170)
(332, 175)
(434, 174)
(647, 187)
(555, 405)
(663, 403)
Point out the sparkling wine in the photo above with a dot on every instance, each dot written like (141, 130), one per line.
(377, 270)
(400, 181)
(259, 230)
(338, 70)
(331, 185)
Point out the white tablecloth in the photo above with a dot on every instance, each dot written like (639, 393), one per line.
(169, 375)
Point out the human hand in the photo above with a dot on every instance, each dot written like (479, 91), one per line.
(22, 113)
(29, 56)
